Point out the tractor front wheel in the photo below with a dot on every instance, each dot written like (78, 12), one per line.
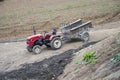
(37, 49)
(29, 48)
(56, 43)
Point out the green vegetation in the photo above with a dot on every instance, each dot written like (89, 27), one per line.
(90, 57)
(116, 58)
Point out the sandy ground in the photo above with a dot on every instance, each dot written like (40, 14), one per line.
(13, 54)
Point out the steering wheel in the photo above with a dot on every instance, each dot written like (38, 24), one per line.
(43, 33)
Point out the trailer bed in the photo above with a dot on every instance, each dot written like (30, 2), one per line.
(76, 29)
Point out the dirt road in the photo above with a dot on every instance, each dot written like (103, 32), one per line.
(13, 54)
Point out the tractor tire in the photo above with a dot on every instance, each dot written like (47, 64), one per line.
(56, 43)
(85, 37)
(36, 49)
(29, 49)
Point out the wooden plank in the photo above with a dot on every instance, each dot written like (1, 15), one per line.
(87, 24)
(72, 25)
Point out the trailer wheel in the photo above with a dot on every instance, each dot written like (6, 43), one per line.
(85, 37)
(56, 43)
(37, 49)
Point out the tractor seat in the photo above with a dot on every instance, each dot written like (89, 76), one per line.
(47, 36)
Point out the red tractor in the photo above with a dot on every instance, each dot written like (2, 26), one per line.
(35, 42)
(76, 29)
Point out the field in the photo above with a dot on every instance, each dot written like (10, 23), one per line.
(17, 17)
(16, 63)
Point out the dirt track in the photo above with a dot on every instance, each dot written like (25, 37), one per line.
(14, 54)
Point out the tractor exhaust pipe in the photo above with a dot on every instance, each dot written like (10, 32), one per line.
(34, 31)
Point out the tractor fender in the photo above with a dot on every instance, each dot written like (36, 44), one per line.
(53, 36)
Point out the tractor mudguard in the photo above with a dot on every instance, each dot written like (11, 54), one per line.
(53, 36)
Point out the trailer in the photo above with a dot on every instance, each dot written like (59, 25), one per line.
(76, 29)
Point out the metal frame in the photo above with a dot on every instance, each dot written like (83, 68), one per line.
(75, 29)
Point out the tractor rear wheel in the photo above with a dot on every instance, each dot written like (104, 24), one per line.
(56, 43)
(37, 49)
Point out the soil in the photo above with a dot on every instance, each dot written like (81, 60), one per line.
(14, 58)
(17, 17)
(17, 20)
(13, 54)
(104, 69)
(48, 69)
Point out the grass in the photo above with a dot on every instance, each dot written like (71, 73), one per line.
(90, 57)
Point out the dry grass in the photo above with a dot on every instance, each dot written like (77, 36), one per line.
(18, 16)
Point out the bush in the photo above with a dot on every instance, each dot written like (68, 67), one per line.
(90, 57)
(116, 58)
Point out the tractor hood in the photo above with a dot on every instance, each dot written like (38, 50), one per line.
(35, 36)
